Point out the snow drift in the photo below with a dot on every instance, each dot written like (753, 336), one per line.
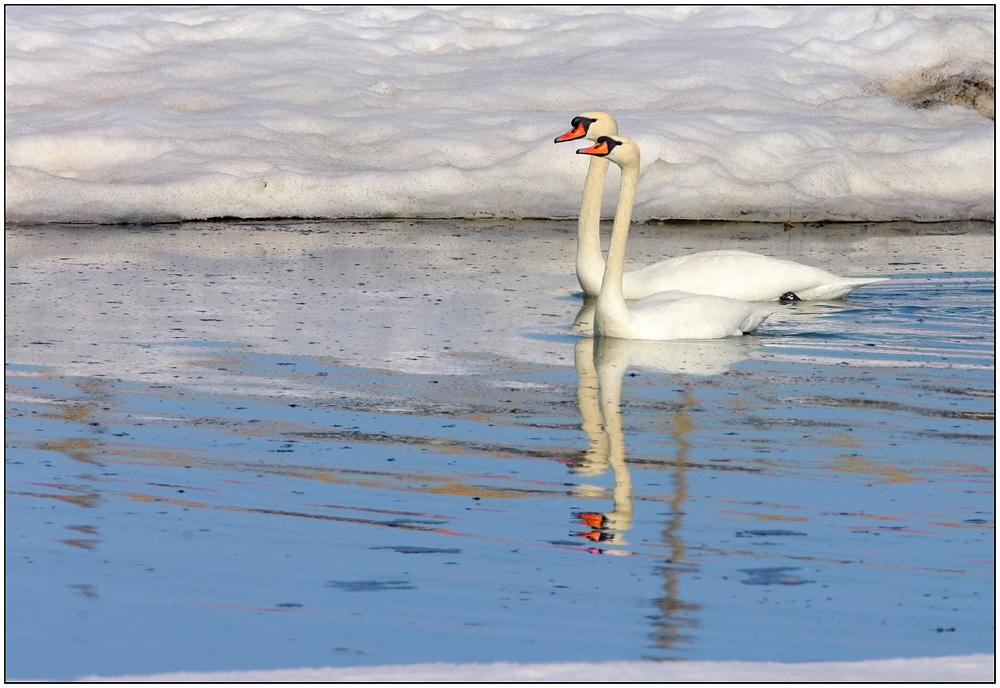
(761, 113)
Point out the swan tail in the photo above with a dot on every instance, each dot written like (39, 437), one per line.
(839, 289)
(759, 316)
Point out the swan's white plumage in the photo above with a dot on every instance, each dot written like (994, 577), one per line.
(681, 315)
(665, 315)
(735, 274)
(740, 275)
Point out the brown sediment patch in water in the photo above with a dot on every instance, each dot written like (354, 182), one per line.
(146, 498)
(394, 524)
(439, 444)
(838, 441)
(861, 514)
(84, 497)
(961, 391)
(472, 491)
(753, 516)
(82, 544)
(894, 406)
(445, 483)
(888, 473)
(79, 448)
(77, 413)
(950, 466)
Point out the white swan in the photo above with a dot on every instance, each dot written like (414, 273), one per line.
(736, 274)
(665, 315)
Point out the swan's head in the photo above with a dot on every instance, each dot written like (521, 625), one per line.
(591, 125)
(620, 150)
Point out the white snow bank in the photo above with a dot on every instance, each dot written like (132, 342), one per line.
(769, 113)
(960, 669)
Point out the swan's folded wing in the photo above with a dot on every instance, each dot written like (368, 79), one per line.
(662, 297)
(760, 314)
(668, 316)
(740, 275)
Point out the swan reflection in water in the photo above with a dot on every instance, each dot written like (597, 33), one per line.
(599, 395)
(601, 365)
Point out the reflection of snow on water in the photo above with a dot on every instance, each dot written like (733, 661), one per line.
(519, 384)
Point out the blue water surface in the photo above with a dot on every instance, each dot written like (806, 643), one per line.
(820, 490)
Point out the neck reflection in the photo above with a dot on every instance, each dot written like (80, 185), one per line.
(601, 365)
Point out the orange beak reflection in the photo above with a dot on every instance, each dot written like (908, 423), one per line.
(591, 519)
(596, 149)
(577, 133)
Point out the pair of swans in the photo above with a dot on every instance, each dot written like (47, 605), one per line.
(701, 296)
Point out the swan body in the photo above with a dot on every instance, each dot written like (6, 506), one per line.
(735, 274)
(741, 275)
(672, 314)
(681, 315)
(677, 356)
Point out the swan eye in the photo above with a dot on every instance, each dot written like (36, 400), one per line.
(582, 121)
(609, 142)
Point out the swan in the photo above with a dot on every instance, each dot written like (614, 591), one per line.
(665, 315)
(736, 274)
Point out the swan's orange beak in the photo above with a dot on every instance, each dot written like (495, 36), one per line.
(597, 149)
(578, 132)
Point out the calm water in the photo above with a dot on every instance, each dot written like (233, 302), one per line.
(266, 446)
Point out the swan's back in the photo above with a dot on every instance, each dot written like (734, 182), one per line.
(740, 275)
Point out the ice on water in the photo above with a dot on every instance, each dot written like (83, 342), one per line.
(768, 113)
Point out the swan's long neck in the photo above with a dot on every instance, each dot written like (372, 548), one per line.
(611, 302)
(589, 261)
(609, 375)
(590, 409)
